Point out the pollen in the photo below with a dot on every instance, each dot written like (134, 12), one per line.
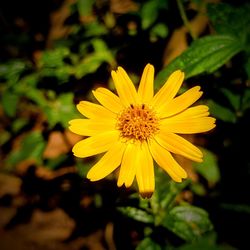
(137, 122)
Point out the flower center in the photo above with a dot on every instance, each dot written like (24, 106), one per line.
(138, 123)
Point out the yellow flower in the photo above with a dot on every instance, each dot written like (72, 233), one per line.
(135, 128)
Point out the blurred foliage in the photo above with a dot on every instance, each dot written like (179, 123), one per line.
(48, 64)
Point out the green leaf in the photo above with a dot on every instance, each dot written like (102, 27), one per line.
(92, 62)
(137, 214)
(62, 110)
(9, 102)
(159, 30)
(247, 66)
(165, 192)
(56, 162)
(234, 99)
(246, 100)
(209, 167)
(198, 188)
(62, 73)
(233, 20)
(4, 137)
(149, 13)
(188, 222)
(95, 29)
(207, 242)
(229, 19)
(18, 124)
(239, 208)
(85, 7)
(30, 80)
(83, 167)
(148, 244)
(205, 55)
(32, 147)
(162, 188)
(221, 112)
(99, 45)
(12, 70)
(54, 58)
(34, 94)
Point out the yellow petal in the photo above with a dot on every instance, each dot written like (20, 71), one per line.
(146, 86)
(125, 87)
(108, 99)
(168, 91)
(198, 125)
(166, 161)
(89, 127)
(191, 113)
(95, 144)
(145, 172)
(128, 166)
(178, 145)
(92, 110)
(180, 103)
(190, 121)
(108, 163)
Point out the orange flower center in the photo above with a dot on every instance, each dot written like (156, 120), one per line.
(137, 123)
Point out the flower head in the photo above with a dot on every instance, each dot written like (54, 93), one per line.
(135, 128)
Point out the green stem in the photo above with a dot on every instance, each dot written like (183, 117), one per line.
(184, 18)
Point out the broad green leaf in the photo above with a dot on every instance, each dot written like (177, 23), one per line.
(221, 112)
(188, 222)
(32, 147)
(205, 55)
(137, 214)
(209, 167)
(148, 244)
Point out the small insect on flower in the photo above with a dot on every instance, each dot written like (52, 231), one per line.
(135, 128)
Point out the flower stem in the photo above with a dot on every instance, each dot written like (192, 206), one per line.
(185, 19)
